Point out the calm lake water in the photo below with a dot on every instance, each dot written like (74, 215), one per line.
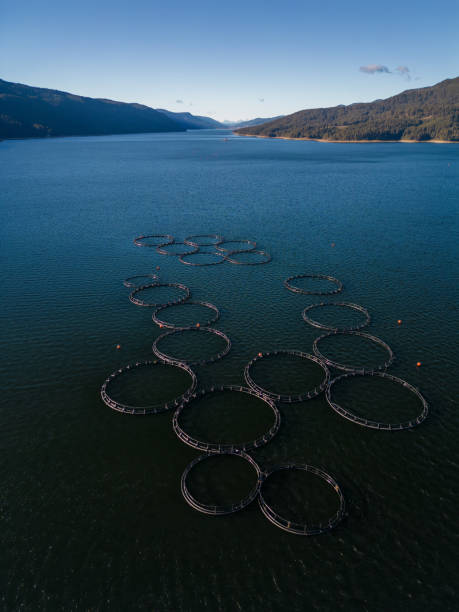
(92, 513)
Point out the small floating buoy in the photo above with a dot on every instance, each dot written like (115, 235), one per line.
(118, 346)
(158, 268)
(260, 354)
(161, 325)
(399, 321)
(333, 244)
(418, 364)
(198, 324)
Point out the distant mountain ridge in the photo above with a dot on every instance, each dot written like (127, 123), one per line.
(428, 113)
(37, 112)
(250, 122)
(192, 122)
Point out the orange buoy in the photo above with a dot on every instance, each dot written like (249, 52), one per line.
(260, 354)
(418, 364)
(118, 346)
(399, 321)
(161, 325)
(198, 324)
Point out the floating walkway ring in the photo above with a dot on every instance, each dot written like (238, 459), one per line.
(180, 330)
(214, 447)
(162, 323)
(332, 279)
(168, 240)
(376, 424)
(162, 251)
(343, 305)
(128, 282)
(302, 528)
(152, 409)
(349, 368)
(138, 302)
(226, 509)
(283, 397)
(251, 243)
(208, 263)
(248, 263)
(191, 240)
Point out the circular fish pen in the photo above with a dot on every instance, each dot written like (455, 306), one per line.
(377, 424)
(285, 397)
(150, 409)
(264, 254)
(181, 330)
(250, 243)
(221, 259)
(349, 368)
(130, 281)
(165, 239)
(332, 279)
(162, 323)
(162, 251)
(215, 510)
(214, 447)
(192, 240)
(356, 307)
(302, 528)
(139, 302)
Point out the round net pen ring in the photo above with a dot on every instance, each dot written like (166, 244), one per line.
(130, 281)
(357, 307)
(302, 528)
(251, 245)
(215, 510)
(208, 263)
(350, 368)
(150, 409)
(332, 279)
(191, 240)
(248, 263)
(165, 239)
(347, 414)
(162, 323)
(139, 302)
(162, 251)
(215, 447)
(180, 330)
(284, 397)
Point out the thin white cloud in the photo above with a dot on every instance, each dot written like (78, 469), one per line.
(374, 68)
(404, 71)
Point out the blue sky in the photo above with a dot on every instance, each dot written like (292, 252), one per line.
(233, 60)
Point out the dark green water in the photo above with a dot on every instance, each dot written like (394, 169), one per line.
(92, 514)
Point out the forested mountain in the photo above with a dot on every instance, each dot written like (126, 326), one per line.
(191, 122)
(250, 122)
(33, 111)
(429, 113)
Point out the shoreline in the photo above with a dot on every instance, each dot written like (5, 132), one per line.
(434, 141)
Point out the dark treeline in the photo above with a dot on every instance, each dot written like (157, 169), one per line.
(429, 113)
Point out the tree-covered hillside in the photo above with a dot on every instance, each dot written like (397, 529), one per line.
(429, 113)
(36, 112)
